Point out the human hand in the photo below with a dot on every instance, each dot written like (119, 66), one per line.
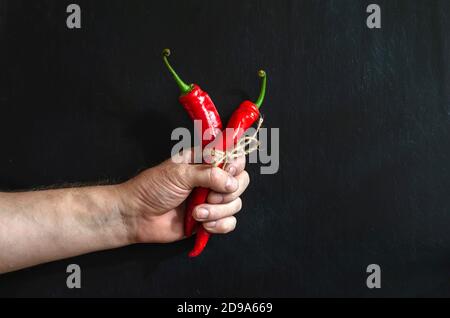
(153, 203)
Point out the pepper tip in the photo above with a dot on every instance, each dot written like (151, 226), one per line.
(166, 52)
(193, 254)
(262, 73)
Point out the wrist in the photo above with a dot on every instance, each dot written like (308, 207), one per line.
(128, 211)
(115, 224)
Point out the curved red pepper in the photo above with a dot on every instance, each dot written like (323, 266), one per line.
(199, 106)
(242, 119)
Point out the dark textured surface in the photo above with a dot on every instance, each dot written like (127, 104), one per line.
(365, 149)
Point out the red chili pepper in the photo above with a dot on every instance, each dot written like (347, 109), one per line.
(242, 118)
(199, 106)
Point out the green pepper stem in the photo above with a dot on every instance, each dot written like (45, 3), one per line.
(262, 92)
(184, 88)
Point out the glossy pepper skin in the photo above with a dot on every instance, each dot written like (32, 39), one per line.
(242, 119)
(199, 106)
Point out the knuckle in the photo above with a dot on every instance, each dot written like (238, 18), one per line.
(179, 169)
(179, 173)
(215, 198)
(232, 196)
(215, 175)
(166, 170)
(212, 213)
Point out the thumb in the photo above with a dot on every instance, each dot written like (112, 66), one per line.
(207, 176)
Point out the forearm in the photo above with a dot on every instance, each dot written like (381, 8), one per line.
(42, 226)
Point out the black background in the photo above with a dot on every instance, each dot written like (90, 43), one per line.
(364, 122)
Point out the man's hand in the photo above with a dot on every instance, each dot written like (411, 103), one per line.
(152, 204)
(42, 226)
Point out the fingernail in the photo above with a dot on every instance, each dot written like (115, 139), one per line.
(202, 213)
(231, 184)
(231, 170)
(210, 224)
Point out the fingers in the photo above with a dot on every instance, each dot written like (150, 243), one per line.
(214, 212)
(213, 178)
(194, 155)
(224, 202)
(222, 226)
(217, 198)
(235, 166)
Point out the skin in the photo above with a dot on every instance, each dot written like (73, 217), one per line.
(43, 226)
